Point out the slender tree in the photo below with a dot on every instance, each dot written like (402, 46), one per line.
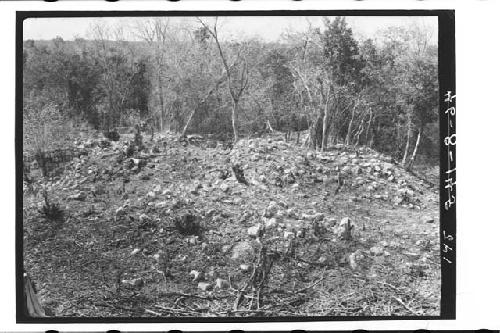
(236, 75)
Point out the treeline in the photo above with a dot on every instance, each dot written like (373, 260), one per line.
(380, 93)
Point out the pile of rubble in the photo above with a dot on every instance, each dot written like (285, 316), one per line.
(369, 174)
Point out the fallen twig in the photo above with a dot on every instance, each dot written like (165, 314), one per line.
(389, 285)
(228, 312)
(196, 296)
(313, 284)
(152, 312)
(179, 311)
(404, 305)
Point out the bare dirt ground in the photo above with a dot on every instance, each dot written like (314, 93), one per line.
(135, 228)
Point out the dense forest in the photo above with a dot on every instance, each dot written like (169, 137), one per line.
(184, 78)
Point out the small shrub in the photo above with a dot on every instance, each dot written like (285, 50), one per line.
(52, 213)
(188, 224)
(112, 135)
(138, 143)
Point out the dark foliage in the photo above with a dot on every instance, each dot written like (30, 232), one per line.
(239, 174)
(340, 88)
(53, 214)
(188, 224)
(113, 135)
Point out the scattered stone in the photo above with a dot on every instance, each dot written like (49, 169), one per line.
(192, 240)
(80, 196)
(120, 211)
(428, 219)
(137, 283)
(377, 250)
(226, 248)
(398, 200)
(330, 222)
(280, 215)
(344, 230)
(243, 251)
(245, 268)
(221, 284)
(195, 189)
(292, 213)
(211, 273)
(205, 286)
(161, 204)
(354, 259)
(322, 260)
(197, 276)
(224, 187)
(313, 217)
(271, 209)
(255, 231)
(270, 223)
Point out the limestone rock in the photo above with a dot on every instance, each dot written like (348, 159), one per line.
(80, 196)
(137, 283)
(377, 250)
(243, 251)
(255, 231)
(197, 276)
(271, 209)
(221, 284)
(270, 224)
(428, 219)
(245, 268)
(345, 228)
(205, 286)
(313, 217)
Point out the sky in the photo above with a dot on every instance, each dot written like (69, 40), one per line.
(268, 28)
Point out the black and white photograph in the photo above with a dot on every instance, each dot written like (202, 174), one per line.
(232, 166)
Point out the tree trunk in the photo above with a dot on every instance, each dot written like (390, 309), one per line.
(234, 119)
(369, 125)
(408, 134)
(217, 84)
(170, 119)
(184, 130)
(326, 127)
(316, 133)
(32, 303)
(268, 124)
(324, 139)
(349, 128)
(110, 113)
(162, 105)
(357, 135)
(161, 120)
(414, 154)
